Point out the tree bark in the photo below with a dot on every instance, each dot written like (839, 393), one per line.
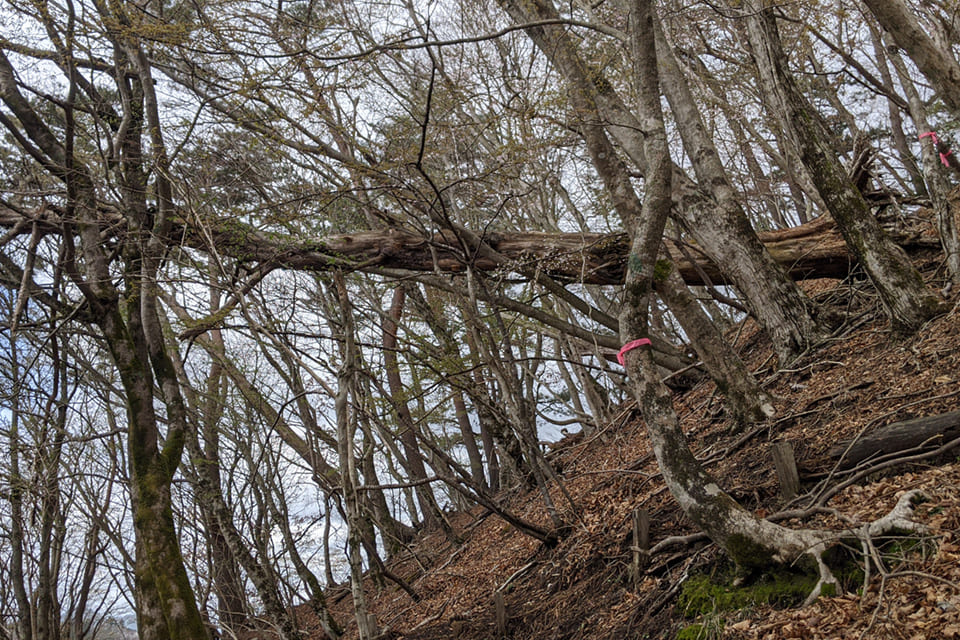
(413, 460)
(901, 288)
(936, 63)
(930, 431)
(727, 238)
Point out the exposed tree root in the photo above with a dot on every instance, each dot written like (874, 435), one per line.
(897, 520)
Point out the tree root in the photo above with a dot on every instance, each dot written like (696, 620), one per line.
(898, 519)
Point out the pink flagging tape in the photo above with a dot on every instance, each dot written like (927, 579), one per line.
(631, 345)
(944, 157)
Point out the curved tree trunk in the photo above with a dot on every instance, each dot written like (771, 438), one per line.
(747, 539)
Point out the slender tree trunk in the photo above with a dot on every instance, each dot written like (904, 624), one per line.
(346, 430)
(469, 437)
(747, 402)
(490, 455)
(511, 466)
(169, 609)
(24, 624)
(91, 560)
(316, 598)
(227, 581)
(48, 619)
(408, 430)
(393, 532)
(896, 120)
(211, 500)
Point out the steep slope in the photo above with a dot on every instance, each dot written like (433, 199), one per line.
(861, 379)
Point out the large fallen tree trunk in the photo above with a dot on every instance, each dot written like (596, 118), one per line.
(813, 250)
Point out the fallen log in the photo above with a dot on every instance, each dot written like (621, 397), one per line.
(929, 432)
(813, 250)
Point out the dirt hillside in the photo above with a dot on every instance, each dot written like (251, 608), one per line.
(860, 380)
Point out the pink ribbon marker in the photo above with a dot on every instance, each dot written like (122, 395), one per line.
(631, 345)
(944, 157)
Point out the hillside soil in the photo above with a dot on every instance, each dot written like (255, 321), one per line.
(859, 380)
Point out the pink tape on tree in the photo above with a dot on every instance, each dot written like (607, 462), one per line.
(631, 345)
(944, 157)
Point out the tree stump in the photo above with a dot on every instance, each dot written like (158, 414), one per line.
(786, 464)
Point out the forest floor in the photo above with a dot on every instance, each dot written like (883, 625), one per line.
(859, 380)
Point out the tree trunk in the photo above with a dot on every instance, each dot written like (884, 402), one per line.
(393, 532)
(896, 119)
(18, 579)
(929, 432)
(936, 63)
(413, 460)
(747, 539)
(227, 580)
(469, 437)
(899, 285)
(937, 184)
(168, 609)
(744, 398)
(211, 501)
(346, 430)
(787, 311)
(726, 237)
(511, 466)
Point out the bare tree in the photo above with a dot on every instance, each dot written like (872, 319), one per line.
(935, 61)
(907, 300)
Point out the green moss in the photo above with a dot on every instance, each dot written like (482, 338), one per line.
(747, 554)
(214, 319)
(661, 270)
(701, 595)
(700, 631)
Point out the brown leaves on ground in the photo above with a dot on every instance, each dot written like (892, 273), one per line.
(917, 599)
(861, 380)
